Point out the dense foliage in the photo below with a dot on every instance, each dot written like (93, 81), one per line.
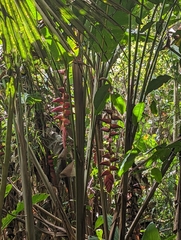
(89, 110)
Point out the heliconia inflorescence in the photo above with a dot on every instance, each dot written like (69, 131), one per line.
(64, 111)
(108, 159)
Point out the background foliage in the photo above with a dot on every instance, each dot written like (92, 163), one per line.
(90, 117)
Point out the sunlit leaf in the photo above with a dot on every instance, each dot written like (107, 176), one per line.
(156, 174)
(151, 233)
(127, 162)
(99, 233)
(138, 112)
(8, 189)
(118, 102)
(99, 221)
(39, 197)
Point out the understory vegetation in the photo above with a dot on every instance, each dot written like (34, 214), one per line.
(90, 119)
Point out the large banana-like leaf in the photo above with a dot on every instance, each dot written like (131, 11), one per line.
(101, 23)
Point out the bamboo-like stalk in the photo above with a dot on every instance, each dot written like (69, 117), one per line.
(24, 172)
(102, 193)
(128, 144)
(177, 222)
(7, 157)
(79, 141)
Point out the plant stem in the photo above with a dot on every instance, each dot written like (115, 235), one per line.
(53, 196)
(7, 157)
(102, 193)
(79, 98)
(25, 177)
(150, 195)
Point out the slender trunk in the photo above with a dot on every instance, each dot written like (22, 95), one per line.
(177, 222)
(7, 157)
(79, 98)
(25, 176)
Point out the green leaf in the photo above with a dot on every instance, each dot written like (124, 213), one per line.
(157, 82)
(146, 26)
(33, 98)
(100, 98)
(99, 233)
(20, 206)
(99, 222)
(151, 233)
(127, 162)
(155, 2)
(156, 174)
(39, 197)
(110, 221)
(8, 189)
(138, 112)
(153, 107)
(138, 20)
(118, 102)
(171, 237)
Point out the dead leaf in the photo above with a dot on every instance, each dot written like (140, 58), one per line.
(69, 171)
